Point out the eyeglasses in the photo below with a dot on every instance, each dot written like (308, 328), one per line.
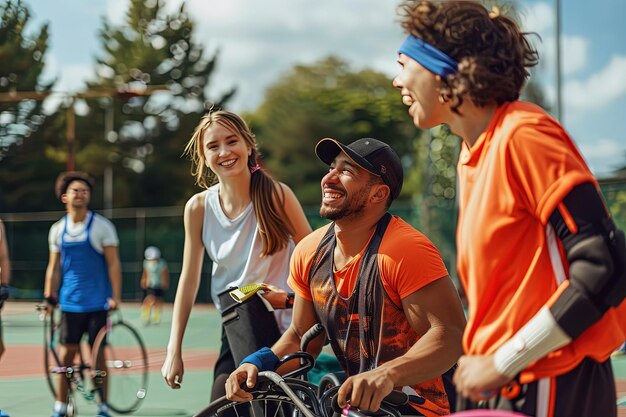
(78, 190)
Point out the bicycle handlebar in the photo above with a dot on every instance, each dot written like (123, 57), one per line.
(346, 411)
(307, 362)
(309, 335)
(394, 399)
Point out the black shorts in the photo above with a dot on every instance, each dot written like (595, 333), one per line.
(586, 391)
(75, 325)
(157, 292)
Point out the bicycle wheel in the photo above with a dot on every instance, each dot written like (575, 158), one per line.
(120, 347)
(53, 367)
(51, 358)
(268, 401)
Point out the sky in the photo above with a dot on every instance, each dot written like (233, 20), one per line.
(260, 41)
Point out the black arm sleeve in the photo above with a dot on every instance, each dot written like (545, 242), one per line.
(596, 266)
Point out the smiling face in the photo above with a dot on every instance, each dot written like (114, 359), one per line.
(77, 195)
(420, 91)
(346, 189)
(225, 152)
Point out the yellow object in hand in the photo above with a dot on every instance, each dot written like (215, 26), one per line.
(241, 294)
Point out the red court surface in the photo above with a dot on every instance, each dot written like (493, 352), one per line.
(27, 361)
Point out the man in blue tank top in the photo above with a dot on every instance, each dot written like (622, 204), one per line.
(83, 274)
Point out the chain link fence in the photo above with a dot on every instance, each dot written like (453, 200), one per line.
(27, 235)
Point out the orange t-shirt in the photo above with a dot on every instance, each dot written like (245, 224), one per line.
(509, 259)
(407, 261)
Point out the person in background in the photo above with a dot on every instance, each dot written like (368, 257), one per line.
(5, 279)
(155, 280)
(83, 275)
(247, 222)
(538, 254)
(378, 286)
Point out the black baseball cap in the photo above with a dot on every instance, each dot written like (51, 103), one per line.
(65, 178)
(370, 154)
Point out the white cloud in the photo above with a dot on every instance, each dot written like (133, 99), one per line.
(575, 54)
(601, 148)
(116, 11)
(603, 155)
(73, 77)
(599, 90)
(260, 41)
(540, 18)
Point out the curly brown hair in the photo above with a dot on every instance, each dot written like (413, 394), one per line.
(65, 178)
(266, 194)
(493, 53)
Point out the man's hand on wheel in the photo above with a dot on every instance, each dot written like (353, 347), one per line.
(247, 373)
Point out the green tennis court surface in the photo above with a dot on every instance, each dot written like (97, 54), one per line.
(24, 393)
(23, 389)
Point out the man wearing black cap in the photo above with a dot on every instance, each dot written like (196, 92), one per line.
(83, 273)
(377, 285)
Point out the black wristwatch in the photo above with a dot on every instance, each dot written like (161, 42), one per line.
(51, 300)
(289, 300)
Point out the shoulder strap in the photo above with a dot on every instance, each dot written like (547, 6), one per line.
(323, 253)
(370, 298)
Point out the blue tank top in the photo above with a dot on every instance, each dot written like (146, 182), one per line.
(85, 285)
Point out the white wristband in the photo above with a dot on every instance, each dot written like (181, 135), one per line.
(540, 336)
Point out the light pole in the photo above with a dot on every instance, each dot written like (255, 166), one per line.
(559, 101)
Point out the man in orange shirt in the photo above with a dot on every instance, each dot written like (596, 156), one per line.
(377, 285)
(541, 260)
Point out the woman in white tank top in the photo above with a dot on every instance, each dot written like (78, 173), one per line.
(247, 222)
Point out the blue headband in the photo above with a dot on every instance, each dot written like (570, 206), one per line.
(428, 56)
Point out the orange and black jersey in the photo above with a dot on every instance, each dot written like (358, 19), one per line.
(510, 260)
(360, 305)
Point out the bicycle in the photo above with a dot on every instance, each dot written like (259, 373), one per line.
(118, 345)
(292, 395)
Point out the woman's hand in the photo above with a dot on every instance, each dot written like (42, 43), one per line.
(173, 370)
(277, 297)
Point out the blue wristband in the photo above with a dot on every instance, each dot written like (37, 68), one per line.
(264, 359)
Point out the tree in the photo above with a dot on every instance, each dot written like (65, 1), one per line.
(139, 130)
(328, 99)
(22, 65)
(24, 150)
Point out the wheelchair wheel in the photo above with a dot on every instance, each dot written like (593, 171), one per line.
(268, 400)
(330, 380)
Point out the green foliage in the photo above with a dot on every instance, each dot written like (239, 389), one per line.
(328, 99)
(614, 191)
(21, 56)
(158, 78)
(23, 126)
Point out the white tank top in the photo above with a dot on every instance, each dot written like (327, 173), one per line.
(234, 246)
